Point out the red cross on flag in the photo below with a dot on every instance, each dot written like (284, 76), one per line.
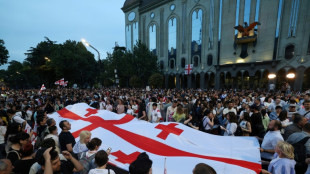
(57, 82)
(188, 69)
(62, 82)
(171, 146)
(42, 87)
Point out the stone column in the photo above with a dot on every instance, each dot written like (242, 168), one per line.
(217, 80)
(299, 79)
(166, 81)
(177, 76)
(202, 80)
(189, 81)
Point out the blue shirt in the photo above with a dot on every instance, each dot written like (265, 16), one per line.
(282, 166)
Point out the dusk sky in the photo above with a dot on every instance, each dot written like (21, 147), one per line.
(25, 23)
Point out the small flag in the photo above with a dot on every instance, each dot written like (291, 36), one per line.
(57, 82)
(62, 82)
(66, 83)
(42, 88)
(188, 69)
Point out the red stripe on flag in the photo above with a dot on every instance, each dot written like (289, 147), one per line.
(148, 144)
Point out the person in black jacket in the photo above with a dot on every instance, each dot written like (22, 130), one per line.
(256, 123)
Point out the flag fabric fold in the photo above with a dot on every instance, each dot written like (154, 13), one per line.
(175, 145)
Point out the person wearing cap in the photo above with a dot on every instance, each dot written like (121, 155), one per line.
(155, 114)
(275, 115)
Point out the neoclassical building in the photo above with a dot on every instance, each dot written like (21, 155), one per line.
(204, 33)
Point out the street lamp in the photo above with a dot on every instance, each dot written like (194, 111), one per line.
(290, 75)
(271, 76)
(89, 45)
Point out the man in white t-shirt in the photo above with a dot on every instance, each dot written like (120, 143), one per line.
(155, 114)
(15, 118)
(271, 139)
(230, 108)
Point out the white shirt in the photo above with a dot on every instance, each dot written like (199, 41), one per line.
(155, 115)
(130, 111)
(101, 171)
(17, 118)
(270, 142)
(56, 139)
(170, 112)
(226, 110)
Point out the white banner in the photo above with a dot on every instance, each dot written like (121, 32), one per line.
(182, 146)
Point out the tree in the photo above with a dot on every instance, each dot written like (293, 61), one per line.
(4, 53)
(37, 63)
(141, 62)
(135, 82)
(73, 62)
(15, 76)
(156, 80)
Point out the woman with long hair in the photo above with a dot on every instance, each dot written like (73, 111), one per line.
(231, 126)
(245, 124)
(179, 115)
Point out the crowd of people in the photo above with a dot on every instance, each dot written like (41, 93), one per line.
(280, 120)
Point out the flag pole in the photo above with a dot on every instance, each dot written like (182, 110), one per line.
(165, 167)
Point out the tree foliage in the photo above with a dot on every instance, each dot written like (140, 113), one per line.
(156, 80)
(135, 82)
(4, 53)
(48, 62)
(141, 63)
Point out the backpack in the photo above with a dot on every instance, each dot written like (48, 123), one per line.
(300, 155)
(87, 163)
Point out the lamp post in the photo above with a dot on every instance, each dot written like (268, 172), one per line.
(89, 45)
(116, 78)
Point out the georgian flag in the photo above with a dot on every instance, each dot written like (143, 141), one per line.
(62, 82)
(42, 87)
(181, 146)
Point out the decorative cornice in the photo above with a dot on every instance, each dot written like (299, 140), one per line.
(153, 5)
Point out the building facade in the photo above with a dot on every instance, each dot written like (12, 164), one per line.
(202, 33)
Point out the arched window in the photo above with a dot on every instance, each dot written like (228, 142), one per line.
(289, 51)
(135, 33)
(196, 60)
(196, 30)
(171, 63)
(210, 60)
(172, 37)
(152, 38)
(183, 63)
(128, 37)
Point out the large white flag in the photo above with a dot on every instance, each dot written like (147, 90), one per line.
(182, 146)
